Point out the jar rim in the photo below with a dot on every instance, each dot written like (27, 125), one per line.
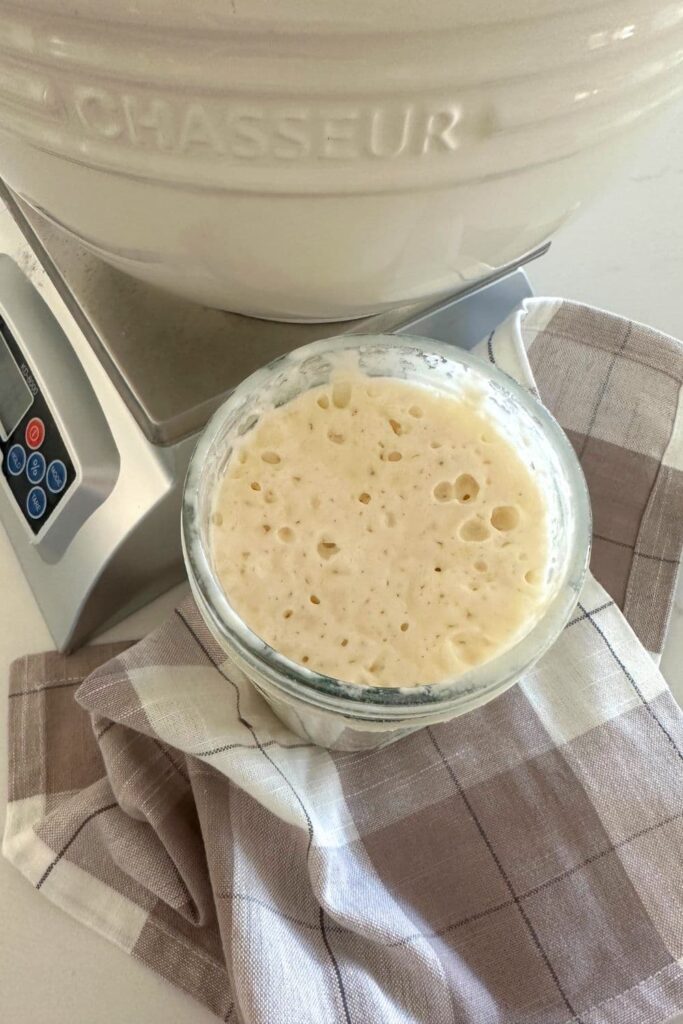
(358, 700)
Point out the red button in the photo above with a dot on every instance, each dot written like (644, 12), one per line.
(35, 432)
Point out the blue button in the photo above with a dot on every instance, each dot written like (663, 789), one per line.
(36, 502)
(35, 467)
(56, 476)
(16, 459)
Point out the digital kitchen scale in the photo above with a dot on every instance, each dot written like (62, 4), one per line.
(104, 385)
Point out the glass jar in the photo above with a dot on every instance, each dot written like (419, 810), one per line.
(350, 716)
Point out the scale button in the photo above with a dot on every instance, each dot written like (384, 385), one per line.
(56, 476)
(35, 467)
(35, 432)
(16, 460)
(36, 503)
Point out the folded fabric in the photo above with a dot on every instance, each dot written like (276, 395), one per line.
(520, 864)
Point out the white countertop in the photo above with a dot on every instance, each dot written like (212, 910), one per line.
(625, 253)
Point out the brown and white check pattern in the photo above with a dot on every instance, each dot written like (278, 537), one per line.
(520, 865)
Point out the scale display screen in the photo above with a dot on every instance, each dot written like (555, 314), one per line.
(15, 394)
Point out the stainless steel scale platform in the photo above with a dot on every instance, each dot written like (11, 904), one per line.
(104, 385)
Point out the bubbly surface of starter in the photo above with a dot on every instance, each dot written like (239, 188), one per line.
(381, 533)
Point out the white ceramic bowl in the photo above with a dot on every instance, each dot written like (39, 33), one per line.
(322, 160)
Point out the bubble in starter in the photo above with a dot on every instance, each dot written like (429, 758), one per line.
(505, 518)
(474, 530)
(443, 491)
(327, 548)
(341, 394)
(466, 488)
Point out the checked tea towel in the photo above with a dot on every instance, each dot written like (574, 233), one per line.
(519, 865)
